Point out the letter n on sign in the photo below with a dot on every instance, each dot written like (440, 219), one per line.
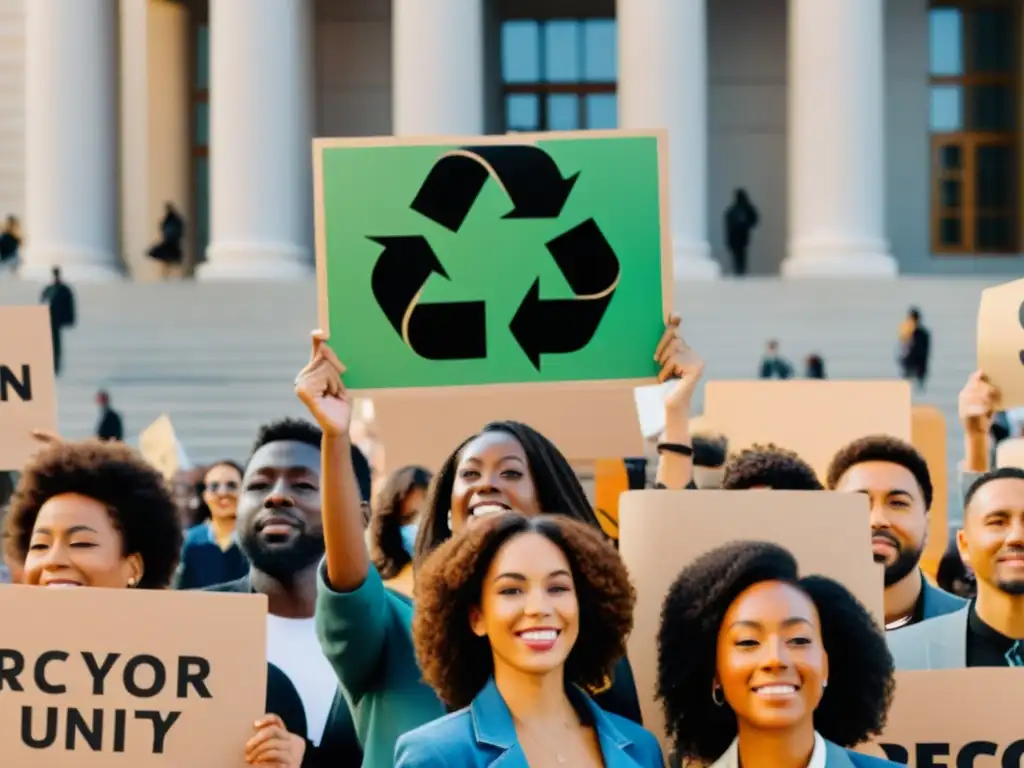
(28, 392)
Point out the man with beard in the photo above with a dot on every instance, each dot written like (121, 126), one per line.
(989, 632)
(895, 478)
(280, 531)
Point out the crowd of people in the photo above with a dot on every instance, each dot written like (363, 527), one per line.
(478, 615)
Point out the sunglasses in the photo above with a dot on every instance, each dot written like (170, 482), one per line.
(229, 487)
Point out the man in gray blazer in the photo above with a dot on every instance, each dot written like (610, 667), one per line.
(895, 478)
(989, 632)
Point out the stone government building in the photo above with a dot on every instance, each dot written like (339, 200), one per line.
(875, 136)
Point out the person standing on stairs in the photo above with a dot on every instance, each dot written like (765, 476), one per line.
(61, 300)
(740, 219)
(110, 426)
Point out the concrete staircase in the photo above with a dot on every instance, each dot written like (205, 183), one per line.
(220, 358)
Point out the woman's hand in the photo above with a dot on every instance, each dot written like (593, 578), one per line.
(273, 745)
(319, 386)
(677, 360)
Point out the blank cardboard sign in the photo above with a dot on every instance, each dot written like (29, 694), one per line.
(28, 392)
(1001, 341)
(928, 429)
(660, 532)
(1010, 453)
(956, 717)
(185, 677)
(814, 418)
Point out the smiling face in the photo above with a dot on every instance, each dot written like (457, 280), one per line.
(992, 539)
(279, 526)
(220, 491)
(75, 543)
(771, 663)
(492, 476)
(899, 519)
(528, 607)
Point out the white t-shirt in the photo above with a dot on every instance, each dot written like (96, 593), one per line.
(731, 758)
(293, 648)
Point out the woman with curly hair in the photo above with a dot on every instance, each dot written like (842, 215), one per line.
(366, 629)
(517, 617)
(393, 526)
(95, 514)
(760, 667)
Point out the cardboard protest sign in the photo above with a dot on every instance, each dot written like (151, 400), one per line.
(159, 445)
(28, 389)
(129, 678)
(522, 277)
(956, 717)
(1010, 452)
(660, 532)
(611, 480)
(928, 432)
(815, 418)
(1001, 341)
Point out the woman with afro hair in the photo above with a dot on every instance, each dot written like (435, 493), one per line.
(95, 514)
(761, 667)
(518, 616)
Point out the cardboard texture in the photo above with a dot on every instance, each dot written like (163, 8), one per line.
(1001, 341)
(660, 532)
(1010, 453)
(180, 633)
(28, 389)
(928, 432)
(159, 445)
(611, 481)
(814, 418)
(957, 717)
(425, 407)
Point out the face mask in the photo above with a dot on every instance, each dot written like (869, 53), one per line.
(409, 538)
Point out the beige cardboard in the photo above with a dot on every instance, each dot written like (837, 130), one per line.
(660, 532)
(159, 445)
(928, 430)
(1010, 453)
(422, 426)
(228, 631)
(814, 418)
(25, 348)
(1001, 341)
(958, 717)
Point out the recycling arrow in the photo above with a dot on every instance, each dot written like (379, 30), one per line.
(527, 174)
(558, 326)
(450, 331)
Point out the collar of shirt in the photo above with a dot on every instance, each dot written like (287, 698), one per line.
(731, 758)
(993, 637)
(211, 539)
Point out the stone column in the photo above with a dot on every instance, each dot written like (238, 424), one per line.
(261, 80)
(663, 83)
(837, 140)
(438, 63)
(70, 140)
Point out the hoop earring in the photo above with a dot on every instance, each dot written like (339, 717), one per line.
(718, 696)
(449, 520)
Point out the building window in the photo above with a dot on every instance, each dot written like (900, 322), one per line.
(559, 74)
(975, 108)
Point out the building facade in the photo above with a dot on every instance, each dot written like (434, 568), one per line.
(874, 136)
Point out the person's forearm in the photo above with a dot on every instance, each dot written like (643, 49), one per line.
(348, 561)
(976, 451)
(674, 469)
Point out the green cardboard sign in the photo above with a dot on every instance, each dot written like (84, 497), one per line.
(498, 260)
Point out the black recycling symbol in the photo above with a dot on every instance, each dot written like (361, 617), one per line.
(458, 330)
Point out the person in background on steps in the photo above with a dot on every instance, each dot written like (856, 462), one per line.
(740, 218)
(168, 250)
(10, 244)
(814, 367)
(774, 365)
(110, 426)
(61, 300)
(915, 348)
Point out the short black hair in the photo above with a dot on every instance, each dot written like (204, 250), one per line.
(709, 450)
(558, 487)
(302, 431)
(1001, 473)
(115, 475)
(885, 448)
(861, 675)
(769, 465)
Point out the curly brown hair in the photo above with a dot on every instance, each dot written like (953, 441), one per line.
(457, 664)
(114, 475)
(769, 465)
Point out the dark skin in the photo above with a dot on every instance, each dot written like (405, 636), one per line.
(282, 482)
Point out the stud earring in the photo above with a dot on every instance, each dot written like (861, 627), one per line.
(131, 582)
(824, 684)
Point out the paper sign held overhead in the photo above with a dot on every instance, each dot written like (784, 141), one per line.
(120, 678)
(28, 389)
(159, 445)
(1001, 341)
(495, 269)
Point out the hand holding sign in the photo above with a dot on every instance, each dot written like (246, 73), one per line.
(319, 386)
(273, 745)
(678, 360)
(976, 403)
(1001, 342)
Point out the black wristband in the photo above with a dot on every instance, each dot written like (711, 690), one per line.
(679, 448)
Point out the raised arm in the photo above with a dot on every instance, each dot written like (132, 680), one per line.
(976, 406)
(678, 360)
